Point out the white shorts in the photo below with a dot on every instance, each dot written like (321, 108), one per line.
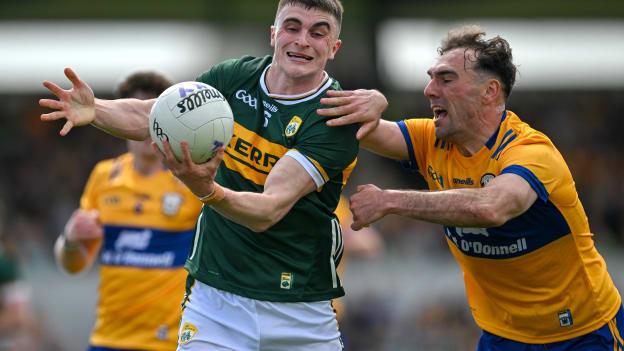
(217, 320)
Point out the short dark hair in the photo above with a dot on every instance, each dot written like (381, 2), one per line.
(333, 7)
(492, 55)
(146, 81)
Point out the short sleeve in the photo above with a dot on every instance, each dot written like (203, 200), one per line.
(327, 153)
(99, 174)
(416, 132)
(540, 164)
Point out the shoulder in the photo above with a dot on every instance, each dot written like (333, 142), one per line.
(238, 66)
(106, 168)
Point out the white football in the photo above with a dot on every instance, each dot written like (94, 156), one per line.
(193, 112)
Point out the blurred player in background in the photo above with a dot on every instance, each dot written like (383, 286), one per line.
(19, 328)
(506, 198)
(364, 243)
(141, 221)
(262, 271)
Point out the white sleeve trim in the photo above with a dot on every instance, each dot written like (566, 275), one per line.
(309, 167)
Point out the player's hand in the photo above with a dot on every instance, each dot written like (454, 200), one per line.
(76, 105)
(84, 225)
(199, 178)
(355, 106)
(367, 206)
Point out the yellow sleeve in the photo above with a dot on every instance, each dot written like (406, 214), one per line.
(99, 175)
(417, 133)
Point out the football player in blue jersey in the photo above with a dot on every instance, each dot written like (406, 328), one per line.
(505, 196)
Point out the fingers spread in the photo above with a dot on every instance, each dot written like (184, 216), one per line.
(55, 89)
(66, 128)
(49, 103)
(53, 116)
(365, 129)
(168, 152)
(187, 159)
(72, 76)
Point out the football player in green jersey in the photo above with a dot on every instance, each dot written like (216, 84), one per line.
(262, 270)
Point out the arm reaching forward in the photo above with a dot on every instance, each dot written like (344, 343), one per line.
(365, 107)
(505, 197)
(286, 183)
(124, 118)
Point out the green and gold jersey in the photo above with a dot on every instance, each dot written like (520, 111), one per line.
(296, 259)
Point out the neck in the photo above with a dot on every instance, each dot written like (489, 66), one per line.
(480, 132)
(145, 166)
(280, 84)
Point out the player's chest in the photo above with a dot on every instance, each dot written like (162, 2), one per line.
(123, 200)
(447, 172)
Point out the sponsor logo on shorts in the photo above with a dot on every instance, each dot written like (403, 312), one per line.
(187, 333)
(286, 281)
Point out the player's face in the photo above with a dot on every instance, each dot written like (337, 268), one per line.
(303, 41)
(454, 93)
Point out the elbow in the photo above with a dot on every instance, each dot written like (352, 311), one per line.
(266, 222)
(489, 216)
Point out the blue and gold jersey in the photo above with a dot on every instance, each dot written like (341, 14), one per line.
(149, 224)
(537, 278)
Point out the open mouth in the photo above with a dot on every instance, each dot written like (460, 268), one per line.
(439, 112)
(299, 56)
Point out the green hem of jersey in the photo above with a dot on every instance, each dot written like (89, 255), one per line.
(272, 296)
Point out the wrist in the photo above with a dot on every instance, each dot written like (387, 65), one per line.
(389, 200)
(69, 244)
(216, 195)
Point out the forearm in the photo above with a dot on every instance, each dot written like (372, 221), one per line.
(456, 207)
(75, 257)
(256, 211)
(386, 140)
(124, 118)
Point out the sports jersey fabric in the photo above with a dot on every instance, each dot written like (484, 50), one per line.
(296, 259)
(538, 278)
(149, 223)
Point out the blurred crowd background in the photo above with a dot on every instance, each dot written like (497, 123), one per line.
(407, 296)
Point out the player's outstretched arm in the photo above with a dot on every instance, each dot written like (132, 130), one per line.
(287, 182)
(505, 197)
(76, 248)
(365, 107)
(125, 118)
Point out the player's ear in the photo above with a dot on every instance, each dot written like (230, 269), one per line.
(334, 48)
(273, 30)
(493, 89)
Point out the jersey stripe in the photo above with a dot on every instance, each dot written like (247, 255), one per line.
(535, 183)
(307, 164)
(197, 231)
(251, 155)
(413, 165)
(332, 263)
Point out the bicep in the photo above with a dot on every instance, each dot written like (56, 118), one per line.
(288, 182)
(512, 194)
(387, 140)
